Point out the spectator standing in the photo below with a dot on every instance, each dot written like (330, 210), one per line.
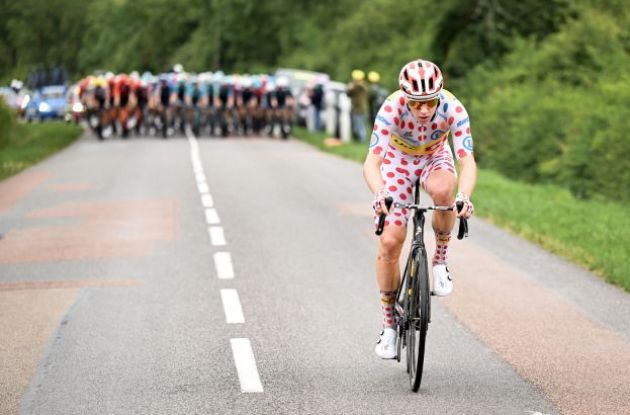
(317, 101)
(358, 93)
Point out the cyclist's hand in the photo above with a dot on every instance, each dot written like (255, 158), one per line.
(468, 209)
(379, 202)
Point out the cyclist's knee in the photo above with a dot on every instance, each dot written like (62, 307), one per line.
(443, 196)
(389, 247)
(442, 188)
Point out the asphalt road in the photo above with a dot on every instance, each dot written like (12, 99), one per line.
(209, 276)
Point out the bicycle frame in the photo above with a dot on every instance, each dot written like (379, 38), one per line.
(412, 307)
(418, 224)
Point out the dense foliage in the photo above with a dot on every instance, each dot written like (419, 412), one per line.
(545, 81)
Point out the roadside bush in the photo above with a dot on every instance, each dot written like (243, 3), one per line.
(596, 158)
(556, 110)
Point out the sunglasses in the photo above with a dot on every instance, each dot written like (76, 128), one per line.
(416, 105)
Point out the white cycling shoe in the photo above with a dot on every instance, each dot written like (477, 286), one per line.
(386, 344)
(442, 282)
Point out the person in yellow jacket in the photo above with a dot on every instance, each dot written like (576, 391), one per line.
(358, 93)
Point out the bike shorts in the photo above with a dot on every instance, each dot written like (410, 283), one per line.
(400, 173)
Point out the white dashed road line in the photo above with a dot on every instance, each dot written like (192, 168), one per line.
(241, 347)
(216, 236)
(206, 200)
(232, 306)
(246, 366)
(203, 187)
(223, 265)
(212, 217)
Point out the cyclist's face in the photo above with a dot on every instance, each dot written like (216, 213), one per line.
(423, 110)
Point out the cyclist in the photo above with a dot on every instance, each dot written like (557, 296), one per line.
(225, 104)
(249, 106)
(113, 108)
(178, 96)
(282, 102)
(258, 90)
(124, 100)
(409, 143)
(193, 98)
(207, 101)
(139, 103)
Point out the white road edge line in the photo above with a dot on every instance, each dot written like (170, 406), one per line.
(246, 366)
(212, 217)
(232, 306)
(223, 265)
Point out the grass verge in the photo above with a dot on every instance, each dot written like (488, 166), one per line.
(591, 233)
(31, 143)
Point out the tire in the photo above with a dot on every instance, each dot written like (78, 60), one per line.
(418, 310)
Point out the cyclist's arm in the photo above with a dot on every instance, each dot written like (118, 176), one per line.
(372, 172)
(468, 175)
(463, 146)
(379, 143)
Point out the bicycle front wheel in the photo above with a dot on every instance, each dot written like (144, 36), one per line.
(419, 298)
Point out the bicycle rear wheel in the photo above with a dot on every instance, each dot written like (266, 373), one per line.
(418, 310)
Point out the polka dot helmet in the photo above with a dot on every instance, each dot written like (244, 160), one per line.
(421, 80)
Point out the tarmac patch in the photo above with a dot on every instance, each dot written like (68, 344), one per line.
(17, 187)
(106, 230)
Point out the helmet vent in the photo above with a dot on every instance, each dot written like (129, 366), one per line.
(423, 85)
(430, 83)
(415, 85)
(406, 75)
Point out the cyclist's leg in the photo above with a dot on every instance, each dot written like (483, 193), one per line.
(388, 279)
(398, 179)
(440, 180)
(389, 247)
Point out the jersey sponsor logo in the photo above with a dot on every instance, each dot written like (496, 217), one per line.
(383, 120)
(417, 149)
(374, 140)
(408, 135)
(462, 122)
(468, 144)
(437, 134)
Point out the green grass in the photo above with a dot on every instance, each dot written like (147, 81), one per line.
(31, 143)
(592, 233)
(353, 151)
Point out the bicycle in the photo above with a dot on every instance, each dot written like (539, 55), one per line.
(412, 310)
